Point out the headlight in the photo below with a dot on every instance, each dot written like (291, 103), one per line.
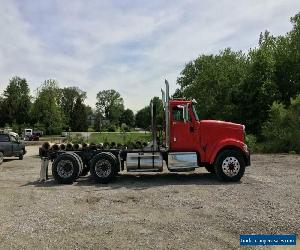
(245, 147)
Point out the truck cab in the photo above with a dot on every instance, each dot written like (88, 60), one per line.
(189, 133)
(218, 146)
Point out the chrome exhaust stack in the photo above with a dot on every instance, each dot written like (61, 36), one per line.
(153, 125)
(167, 114)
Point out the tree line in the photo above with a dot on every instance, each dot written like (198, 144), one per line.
(54, 109)
(260, 89)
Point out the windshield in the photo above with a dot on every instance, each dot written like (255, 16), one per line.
(195, 113)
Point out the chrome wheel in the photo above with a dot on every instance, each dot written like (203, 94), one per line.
(231, 166)
(103, 168)
(65, 168)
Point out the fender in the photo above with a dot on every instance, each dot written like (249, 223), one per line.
(226, 143)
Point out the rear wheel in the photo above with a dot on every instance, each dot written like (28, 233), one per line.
(103, 168)
(65, 168)
(80, 163)
(1, 158)
(229, 165)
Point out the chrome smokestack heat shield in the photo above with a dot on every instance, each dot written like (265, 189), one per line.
(167, 115)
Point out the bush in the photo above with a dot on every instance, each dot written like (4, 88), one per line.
(77, 139)
(282, 131)
(253, 145)
(125, 128)
(90, 129)
(112, 128)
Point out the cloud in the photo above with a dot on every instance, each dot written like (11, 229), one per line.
(130, 46)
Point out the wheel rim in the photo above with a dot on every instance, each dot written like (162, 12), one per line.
(103, 168)
(65, 168)
(231, 166)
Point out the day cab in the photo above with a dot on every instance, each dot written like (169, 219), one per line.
(220, 146)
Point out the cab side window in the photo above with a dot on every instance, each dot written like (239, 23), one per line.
(4, 138)
(177, 114)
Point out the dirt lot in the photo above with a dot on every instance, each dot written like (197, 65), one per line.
(166, 211)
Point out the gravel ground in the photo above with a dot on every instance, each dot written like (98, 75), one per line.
(150, 211)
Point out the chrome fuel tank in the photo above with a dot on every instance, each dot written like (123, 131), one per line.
(144, 161)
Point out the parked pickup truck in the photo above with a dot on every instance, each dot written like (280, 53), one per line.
(11, 146)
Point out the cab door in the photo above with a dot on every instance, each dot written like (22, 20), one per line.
(182, 132)
(16, 146)
(5, 144)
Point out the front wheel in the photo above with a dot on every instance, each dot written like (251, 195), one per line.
(21, 156)
(229, 165)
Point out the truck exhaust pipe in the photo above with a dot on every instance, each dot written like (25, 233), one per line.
(153, 125)
(167, 115)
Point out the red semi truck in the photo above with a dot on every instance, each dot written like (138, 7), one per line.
(187, 143)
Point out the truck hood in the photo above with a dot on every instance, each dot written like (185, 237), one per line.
(213, 131)
(220, 124)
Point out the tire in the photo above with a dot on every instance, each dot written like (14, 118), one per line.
(1, 157)
(210, 169)
(103, 168)
(117, 168)
(80, 163)
(229, 165)
(21, 156)
(65, 168)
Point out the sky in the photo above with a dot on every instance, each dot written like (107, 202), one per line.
(127, 45)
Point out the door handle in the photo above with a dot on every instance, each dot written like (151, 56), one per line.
(191, 129)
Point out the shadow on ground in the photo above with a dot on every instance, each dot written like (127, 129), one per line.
(145, 181)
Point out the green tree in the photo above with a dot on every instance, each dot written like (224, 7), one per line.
(282, 131)
(46, 109)
(143, 118)
(16, 102)
(259, 90)
(287, 66)
(2, 112)
(214, 82)
(158, 108)
(127, 117)
(110, 105)
(78, 119)
(67, 101)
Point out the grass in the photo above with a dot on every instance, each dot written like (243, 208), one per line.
(119, 137)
